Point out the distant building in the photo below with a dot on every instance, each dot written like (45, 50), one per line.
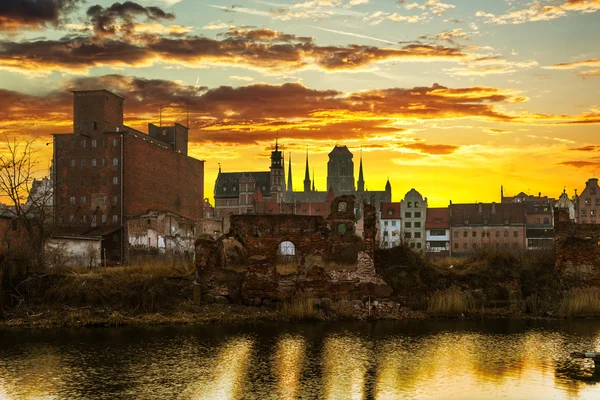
(390, 225)
(106, 173)
(413, 210)
(473, 226)
(587, 204)
(437, 231)
(566, 204)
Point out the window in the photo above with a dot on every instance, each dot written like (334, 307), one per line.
(94, 162)
(407, 224)
(61, 219)
(83, 162)
(103, 219)
(385, 223)
(115, 180)
(104, 162)
(464, 246)
(390, 211)
(72, 163)
(465, 234)
(546, 221)
(438, 221)
(407, 214)
(93, 221)
(103, 199)
(115, 142)
(417, 235)
(83, 182)
(115, 199)
(418, 214)
(72, 200)
(536, 221)
(393, 233)
(416, 204)
(84, 143)
(439, 232)
(455, 234)
(115, 218)
(592, 190)
(456, 245)
(497, 234)
(224, 188)
(505, 233)
(286, 253)
(588, 201)
(83, 200)
(234, 189)
(417, 224)
(94, 127)
(342, 206)
(407, 235)
(385, 233)
(516, 234)
(393, 223)
(115, 161)
(104, 181)
(412, 245)
(94, 141)
(83, 219)
(72, 219)
(583, 212)
(418, 245)
(474, 234)
(409, 204)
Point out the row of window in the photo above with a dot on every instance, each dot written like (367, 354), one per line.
(537, 221)
(83, 200)
(93, 181)
(473, 246)
(93, 162)
(412, 245)
(83, 219)
(584, 212)
(84, 143)
(485, 234)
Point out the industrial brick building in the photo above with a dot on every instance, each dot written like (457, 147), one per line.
(108, 175)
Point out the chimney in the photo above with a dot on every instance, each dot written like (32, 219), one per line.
(480, 208)
(493, 207)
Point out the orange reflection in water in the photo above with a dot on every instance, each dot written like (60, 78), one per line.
(225, 375)
(36, 377)
(344, 368)
(287, 365)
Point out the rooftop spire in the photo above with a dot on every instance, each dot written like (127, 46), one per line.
(289, 186)
(313, 181)
(361, 178)
(307, 174)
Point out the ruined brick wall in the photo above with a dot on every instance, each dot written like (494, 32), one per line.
(577, 246)
(157, 178)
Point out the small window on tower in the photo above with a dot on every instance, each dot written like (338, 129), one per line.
(94, 127)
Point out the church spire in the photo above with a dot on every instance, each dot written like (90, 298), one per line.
(289, 184)
(313, 181)
(361, 178)
(307, 174)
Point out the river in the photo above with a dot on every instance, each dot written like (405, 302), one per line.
(433, 359)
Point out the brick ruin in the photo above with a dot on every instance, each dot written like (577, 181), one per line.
(577, 246)
(278, 257)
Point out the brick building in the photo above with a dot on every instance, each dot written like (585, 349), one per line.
(106, 173)
(587, 204)
(473, 226)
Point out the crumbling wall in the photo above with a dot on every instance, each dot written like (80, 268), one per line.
(293, 255)
(577, 247)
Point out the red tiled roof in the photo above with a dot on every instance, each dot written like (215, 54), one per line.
(393, 207)
(442, 215)
(482, 214)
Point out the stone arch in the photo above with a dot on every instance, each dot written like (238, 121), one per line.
(286, 252)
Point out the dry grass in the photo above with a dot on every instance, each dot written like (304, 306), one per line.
(581, 302)
(299, 309)
(451, 301)
(150, 269)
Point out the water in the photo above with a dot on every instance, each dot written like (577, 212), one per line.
(384, 360)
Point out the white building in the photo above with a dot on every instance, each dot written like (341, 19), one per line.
(437, 231)
(413, 210)
(390, 225)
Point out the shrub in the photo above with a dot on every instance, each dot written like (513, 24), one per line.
(299, 309)
(451, 301)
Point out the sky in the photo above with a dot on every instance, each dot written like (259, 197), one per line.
(451, 97)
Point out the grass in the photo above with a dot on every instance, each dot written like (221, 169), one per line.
(299, 309)
(451, 301)
(581, 302)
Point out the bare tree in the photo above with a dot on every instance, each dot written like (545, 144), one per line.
(30, 201)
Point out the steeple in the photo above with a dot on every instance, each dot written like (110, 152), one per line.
(361, 180)
(307, 175)
(388, 186)
(313, 181)
(289, 183)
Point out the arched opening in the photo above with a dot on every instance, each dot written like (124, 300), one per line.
(286, 252)
(341, 229)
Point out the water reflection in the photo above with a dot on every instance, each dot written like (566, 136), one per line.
(360, 361)
(287, 365)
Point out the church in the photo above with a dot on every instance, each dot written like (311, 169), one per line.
(268, 192)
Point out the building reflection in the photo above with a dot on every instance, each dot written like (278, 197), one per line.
(345, 365)
(287, 365)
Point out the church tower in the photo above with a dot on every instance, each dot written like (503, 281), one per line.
(340, 171)
(360, 187)
(277, 177)
(289, 192)
(307, 176)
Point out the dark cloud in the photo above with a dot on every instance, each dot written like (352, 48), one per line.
(581, 164)
(120, 17)
(587, 148)
(436, 149)
(16, 15)
(260, 48)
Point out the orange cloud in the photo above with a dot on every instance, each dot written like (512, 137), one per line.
(539, 11)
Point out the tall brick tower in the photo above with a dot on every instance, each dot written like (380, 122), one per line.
(340, 171)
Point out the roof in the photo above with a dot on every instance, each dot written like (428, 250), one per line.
(340, 151)
(437, 218)
(487, 214)
(97, 91)
(390, 211)
(227, 181)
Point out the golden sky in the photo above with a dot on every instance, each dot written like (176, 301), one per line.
(453, 98)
